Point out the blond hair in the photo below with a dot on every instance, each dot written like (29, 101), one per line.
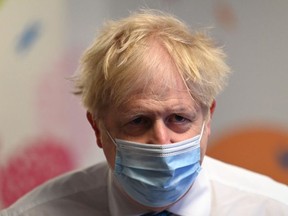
(116, 64)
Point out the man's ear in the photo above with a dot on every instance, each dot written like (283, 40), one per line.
(208, 123)
(212, 108)
(95, 128)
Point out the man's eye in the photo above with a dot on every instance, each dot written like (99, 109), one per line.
(137, 121)
(137, 126)
(140, 121)
(179, 123)
(178, 118)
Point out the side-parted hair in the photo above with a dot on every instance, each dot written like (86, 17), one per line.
(118, 62)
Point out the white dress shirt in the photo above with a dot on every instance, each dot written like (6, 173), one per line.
(220, 189)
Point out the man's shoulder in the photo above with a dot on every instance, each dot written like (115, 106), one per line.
(76, 188)
(243, 186)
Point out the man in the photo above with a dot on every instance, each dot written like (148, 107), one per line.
(149, 86)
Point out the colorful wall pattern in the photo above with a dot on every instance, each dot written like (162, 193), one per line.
(43, 130)
(42, 123)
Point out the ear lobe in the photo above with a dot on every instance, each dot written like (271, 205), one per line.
(95, 128)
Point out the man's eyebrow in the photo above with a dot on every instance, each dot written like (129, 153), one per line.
(184, 108)
(143, 110)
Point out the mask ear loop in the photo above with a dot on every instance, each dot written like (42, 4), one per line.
(109, 135)
(111, 138)
(202, 130)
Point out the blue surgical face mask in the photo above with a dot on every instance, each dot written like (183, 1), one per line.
(157, 175)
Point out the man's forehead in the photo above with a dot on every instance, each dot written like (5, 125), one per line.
(179, 100)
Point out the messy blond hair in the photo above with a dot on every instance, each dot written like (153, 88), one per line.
(116, 64)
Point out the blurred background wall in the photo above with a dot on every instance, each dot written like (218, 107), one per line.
(43, 130)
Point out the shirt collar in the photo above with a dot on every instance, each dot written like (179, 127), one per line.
(196, 201)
